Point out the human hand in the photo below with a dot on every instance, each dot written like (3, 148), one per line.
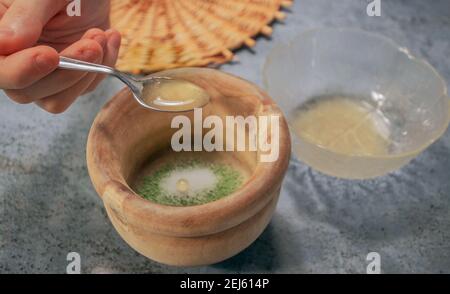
(32, 36)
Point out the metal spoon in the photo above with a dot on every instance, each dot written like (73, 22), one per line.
(157, 93)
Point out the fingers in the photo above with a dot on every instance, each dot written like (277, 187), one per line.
(25, 67)
(55, 90)
(110, 55)
(22, 23)
(88, 49)
(59, 102)
(97, 35)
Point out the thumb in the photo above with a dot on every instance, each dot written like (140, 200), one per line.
(21, 25)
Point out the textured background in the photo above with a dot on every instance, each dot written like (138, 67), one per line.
(322, 225)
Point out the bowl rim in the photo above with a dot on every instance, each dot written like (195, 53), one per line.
(186, 221)
(404, 50)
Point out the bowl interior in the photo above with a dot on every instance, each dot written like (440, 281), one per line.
(142, 138)
(408, 93)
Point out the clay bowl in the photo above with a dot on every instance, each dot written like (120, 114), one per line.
(125, 138)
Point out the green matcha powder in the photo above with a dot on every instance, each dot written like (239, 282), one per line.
(227, 181)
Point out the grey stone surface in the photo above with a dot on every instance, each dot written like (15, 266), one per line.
(48, 207)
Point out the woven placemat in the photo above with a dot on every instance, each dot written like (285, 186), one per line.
(163, 34)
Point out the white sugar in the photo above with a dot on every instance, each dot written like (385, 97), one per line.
(195, 181)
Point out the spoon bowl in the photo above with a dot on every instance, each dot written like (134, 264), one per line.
(156, 93)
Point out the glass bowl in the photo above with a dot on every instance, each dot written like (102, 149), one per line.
(406, 99)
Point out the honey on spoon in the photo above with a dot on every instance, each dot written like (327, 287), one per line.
(156, 93)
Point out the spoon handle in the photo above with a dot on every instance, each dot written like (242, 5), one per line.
(73, 64)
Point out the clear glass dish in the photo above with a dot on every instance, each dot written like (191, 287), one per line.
(407, 98)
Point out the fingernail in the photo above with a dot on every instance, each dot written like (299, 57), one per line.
(43, 63)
